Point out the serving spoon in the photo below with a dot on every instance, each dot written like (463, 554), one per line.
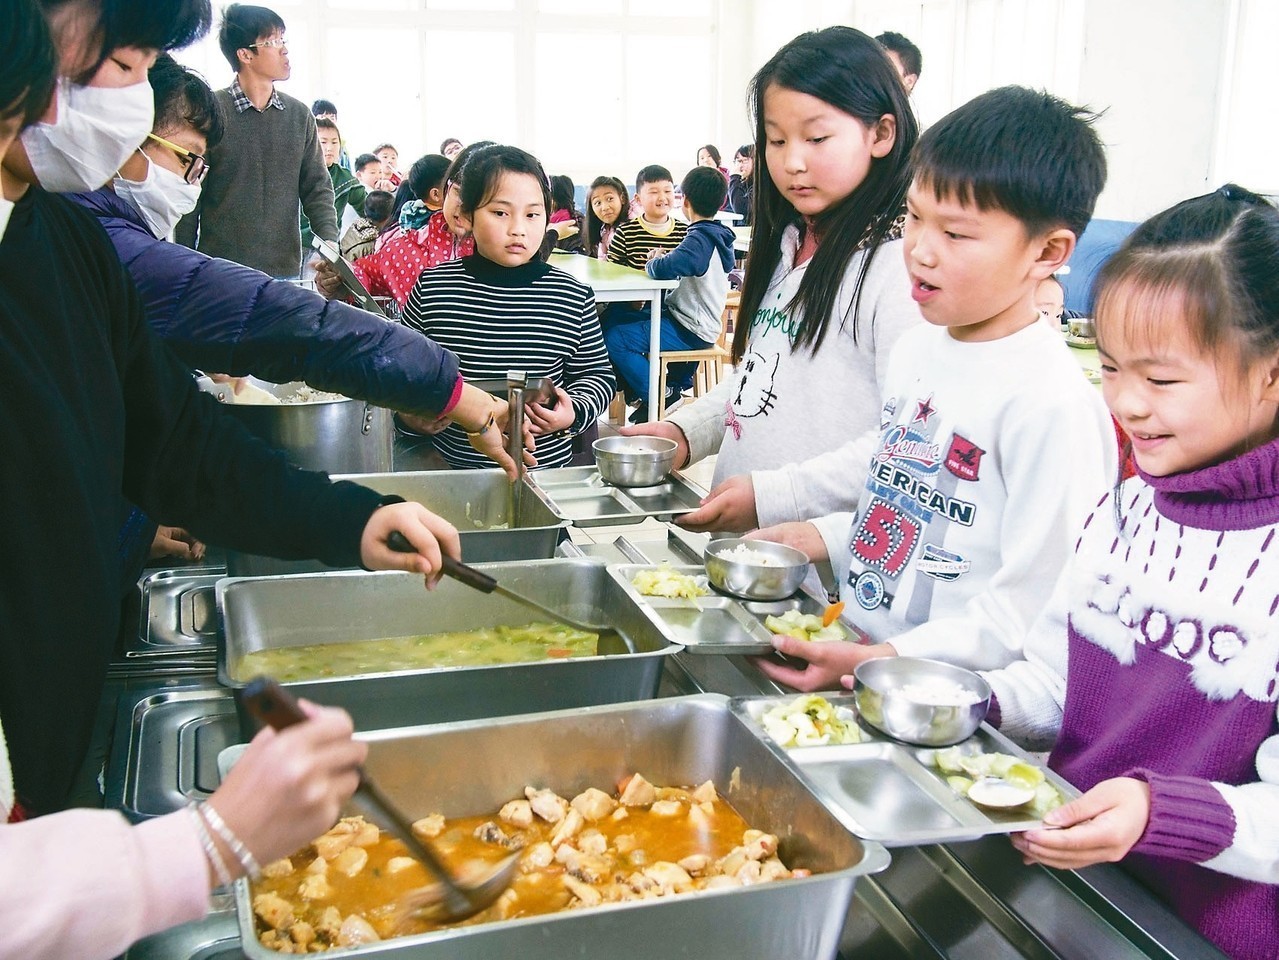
(481, 581)
(271, 705)
(998, 794)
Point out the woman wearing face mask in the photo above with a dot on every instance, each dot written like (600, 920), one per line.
(91, 400)
(98, 409)
(222, 316)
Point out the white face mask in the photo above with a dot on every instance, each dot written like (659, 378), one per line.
(163, 198)
(6, 209)
(96, 130)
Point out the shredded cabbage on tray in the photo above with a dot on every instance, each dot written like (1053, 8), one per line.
(664, 582)
(804, 626)
(810, 721)
(962, 770)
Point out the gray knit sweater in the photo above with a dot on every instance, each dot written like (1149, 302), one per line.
(265, 164)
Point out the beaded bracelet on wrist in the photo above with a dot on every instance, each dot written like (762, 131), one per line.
(211, 852)
(242, 853)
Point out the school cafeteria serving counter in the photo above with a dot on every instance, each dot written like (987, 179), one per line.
(962, 900)
(613, 282)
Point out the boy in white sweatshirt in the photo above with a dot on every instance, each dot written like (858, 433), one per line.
(992, 446)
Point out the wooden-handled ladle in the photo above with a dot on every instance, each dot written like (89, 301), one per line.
(271, 705)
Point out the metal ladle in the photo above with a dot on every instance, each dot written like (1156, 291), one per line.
(481, 581)
(271, 705)
(521, 389)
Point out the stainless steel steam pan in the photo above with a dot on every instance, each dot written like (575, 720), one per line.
(467, 768)
(474, 501)
(177, 616)
(264, 613)
(716, 623)
(890, 792)
(580, 495)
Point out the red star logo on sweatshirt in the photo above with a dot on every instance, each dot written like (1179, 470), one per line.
(925, 409)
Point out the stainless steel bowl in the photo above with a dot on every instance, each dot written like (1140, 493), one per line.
(883, 703)
(634, 461)
(754, 581)
(1082, 327)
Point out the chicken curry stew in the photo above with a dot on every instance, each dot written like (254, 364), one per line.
(356, 885)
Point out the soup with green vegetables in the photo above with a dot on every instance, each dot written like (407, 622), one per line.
(468, 648)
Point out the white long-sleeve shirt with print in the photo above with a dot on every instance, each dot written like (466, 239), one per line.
(783, 405)
(988, 459)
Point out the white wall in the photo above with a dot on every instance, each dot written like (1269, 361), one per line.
(1155, 66)
(1188, 84)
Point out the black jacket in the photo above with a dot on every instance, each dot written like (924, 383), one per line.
(97, 409)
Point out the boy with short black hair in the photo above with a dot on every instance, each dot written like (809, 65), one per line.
(905, 56)
(654, 229)
(993, 446)
(327, 110)
(360, 237)
(691, 313)
(268, 159)
(348, 193)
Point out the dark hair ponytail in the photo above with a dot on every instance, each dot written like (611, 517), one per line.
(847, 69)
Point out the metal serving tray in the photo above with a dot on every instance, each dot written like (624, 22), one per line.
(714, 624)
(474, 501)
(580, 495)
(166, 745)
(177, 615)
(467, 768)
(262, 613)
(888, 791)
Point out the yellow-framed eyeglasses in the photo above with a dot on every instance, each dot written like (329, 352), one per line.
(195, 167)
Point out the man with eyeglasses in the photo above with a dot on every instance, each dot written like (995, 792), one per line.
(269, 158)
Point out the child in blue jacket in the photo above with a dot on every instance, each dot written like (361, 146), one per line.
(691, 313)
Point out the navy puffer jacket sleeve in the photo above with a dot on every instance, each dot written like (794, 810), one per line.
(223, 317)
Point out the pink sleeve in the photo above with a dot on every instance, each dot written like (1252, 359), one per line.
(86, 884)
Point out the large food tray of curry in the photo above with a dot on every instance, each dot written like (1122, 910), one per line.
(265, 618)
(459, 770)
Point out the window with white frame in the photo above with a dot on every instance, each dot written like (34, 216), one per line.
(590, 86)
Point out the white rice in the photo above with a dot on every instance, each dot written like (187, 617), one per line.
(306, 394)
(755, 558)
(939, 693)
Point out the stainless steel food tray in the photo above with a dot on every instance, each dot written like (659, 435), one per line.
(262, 613)
(474, 501)
(177, 615)
(466, 768)
(166, 745)
(887, 791)
(580, 496)
(714, 624)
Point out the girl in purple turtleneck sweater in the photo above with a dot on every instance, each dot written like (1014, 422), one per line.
(1154, 674)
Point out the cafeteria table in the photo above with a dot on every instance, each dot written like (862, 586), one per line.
(612, 282)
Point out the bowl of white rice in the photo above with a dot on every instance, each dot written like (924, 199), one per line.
(925, 702)
(755, 569)
(634, 461)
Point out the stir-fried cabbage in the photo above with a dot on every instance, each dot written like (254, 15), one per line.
(662, 581)
(963, 769)
(804, 626)
(810, 721)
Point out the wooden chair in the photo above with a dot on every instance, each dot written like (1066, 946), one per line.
(710, 361)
